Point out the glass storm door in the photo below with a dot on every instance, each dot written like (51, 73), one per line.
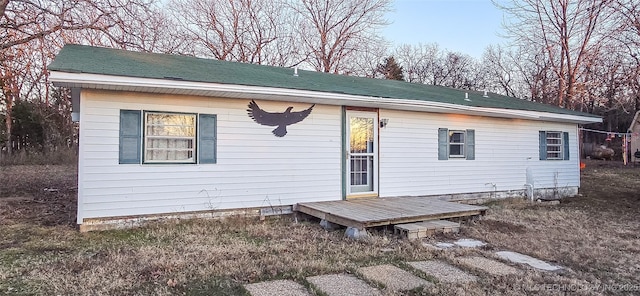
(362, 153)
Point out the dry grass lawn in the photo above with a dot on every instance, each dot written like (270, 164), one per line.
(597, 236)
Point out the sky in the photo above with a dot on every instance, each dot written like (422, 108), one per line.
(466, 26)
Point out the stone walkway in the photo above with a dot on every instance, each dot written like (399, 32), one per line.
(374, 280)
(443, 272)
(392, 277)
(342, 285)
(528, 260)
(487, 265)
(279, 287)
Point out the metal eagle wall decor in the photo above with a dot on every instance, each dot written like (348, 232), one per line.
(281, 120)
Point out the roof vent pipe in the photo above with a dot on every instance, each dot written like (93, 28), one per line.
(466, 95)
(485, 94)
(295, 71)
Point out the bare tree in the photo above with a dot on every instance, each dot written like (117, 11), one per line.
(500, 70)
(427, 63)
(15, 71)
(419, 61)
(252, 31)
(567, 30)
(365, 62)
(605, 86)
(333, 31)
(33, 31)
(538, 77)
(3, 6)
(627, 14)
(627, 37)
(140, 25)
(456, 70)
(27, 20)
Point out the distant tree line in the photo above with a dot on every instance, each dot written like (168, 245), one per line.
(576, 54)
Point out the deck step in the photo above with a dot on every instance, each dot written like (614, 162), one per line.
(426, 228)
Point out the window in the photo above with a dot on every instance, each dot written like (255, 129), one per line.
(554, 145)
(163, 137)
(456, 144)
(169, 137)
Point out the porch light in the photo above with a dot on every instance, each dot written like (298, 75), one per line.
(383, 122)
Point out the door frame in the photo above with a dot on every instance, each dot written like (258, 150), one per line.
(346, 184)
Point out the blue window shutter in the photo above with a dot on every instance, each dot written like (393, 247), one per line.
(130, 136)
(565, 142)
(206, 138)
(543, 145)
(443, 144)
(470, 144)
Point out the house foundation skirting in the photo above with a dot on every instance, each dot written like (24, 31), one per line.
(482, 197)
(110, 223)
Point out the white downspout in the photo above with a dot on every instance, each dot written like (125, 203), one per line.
(530, 182)
(530, 190)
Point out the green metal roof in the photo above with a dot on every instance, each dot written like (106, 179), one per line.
(106, 61)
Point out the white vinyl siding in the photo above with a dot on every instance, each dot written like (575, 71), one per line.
(250, 167)
(253, 168)
(504, 149)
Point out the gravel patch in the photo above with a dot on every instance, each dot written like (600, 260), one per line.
(277, 288)
(443, 271)
(489, 266)
(392, 277)
(342, 285)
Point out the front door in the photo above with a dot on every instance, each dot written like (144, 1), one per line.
(362, 154)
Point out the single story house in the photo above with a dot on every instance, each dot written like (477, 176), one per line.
(164, 135)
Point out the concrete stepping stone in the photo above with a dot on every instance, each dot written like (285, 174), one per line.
(469, 243)
(525, 259)
(442, 246)
(443, 271)
(392, 277)
(463, 242)
(342, 285)
(489, 266)
(277, 288)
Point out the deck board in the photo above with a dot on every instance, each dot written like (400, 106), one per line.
(363, 213)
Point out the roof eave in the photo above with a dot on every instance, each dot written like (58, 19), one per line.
(110, 82)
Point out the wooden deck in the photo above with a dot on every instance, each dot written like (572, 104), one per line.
(363, 213)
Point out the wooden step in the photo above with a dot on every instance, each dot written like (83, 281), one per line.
(426, 228)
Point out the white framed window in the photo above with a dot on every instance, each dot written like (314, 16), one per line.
(456, 143)
(169, 137)
(554, 145)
